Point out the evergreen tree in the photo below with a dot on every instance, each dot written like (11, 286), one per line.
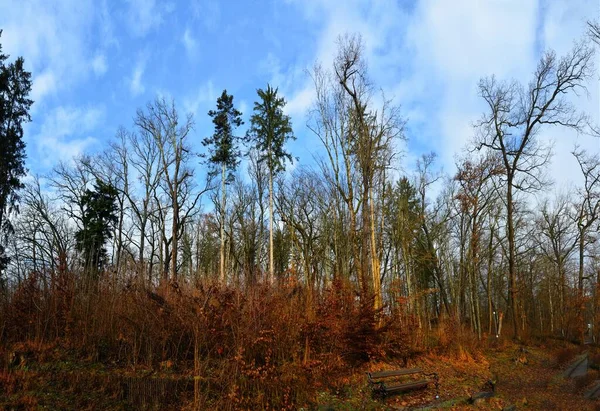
(15, 86)
(269, 131)
(99, 218)
(224, 153)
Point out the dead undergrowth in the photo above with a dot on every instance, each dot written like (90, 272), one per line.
(211, 347)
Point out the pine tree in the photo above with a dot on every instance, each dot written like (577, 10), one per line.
(15, 86)
(224, 153)
(269, 131)
(99, 218)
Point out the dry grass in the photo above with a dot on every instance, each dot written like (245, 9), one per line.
(253, 348)
(261, 347)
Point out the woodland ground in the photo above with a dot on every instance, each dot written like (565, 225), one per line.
(530, 379)
(527, 376)
(223, 348)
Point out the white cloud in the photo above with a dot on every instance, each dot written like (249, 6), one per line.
(429, 55)
(570, 17)
(380, 24)
(206, 11)
(430, 58)
(272, 66)
(468, 40)
(135, 82)
(43, 84)
(99, 64)
(244, 108)
(298, 105)
(64, 133)
(189, 42)
(293, 83)
(162, 93)
(55, 39)
(144, 16)
(64, 121)
(455, 46)
(452, 47)
(204, 99)
(106, 24)
(566, 17)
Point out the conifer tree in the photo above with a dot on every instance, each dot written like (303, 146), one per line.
(15, 86)
(98, 219)
(269, 132)
(224, 154)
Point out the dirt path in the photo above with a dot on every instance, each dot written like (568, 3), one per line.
(525, 378)
(579, 368)
(539, 383)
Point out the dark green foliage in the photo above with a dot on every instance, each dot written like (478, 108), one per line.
(407, 230)
(223, 145)
(270, 129)
(282, 249)
(15, 85)
(403, 209)
(407, 202)
(99, 217)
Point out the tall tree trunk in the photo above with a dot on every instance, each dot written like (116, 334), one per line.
(461, 301)
(222, 251)
(271, 267)
(475, 269)
(352, 229)
(120, 235)
(581, 258)
(561, 298)
(365, 238)
(580, 302)
(408, 275)
(489, 279)
(512, 268)
(378, 303)
(174, 245)
(141, 260)
(551, 307)
(3, 197)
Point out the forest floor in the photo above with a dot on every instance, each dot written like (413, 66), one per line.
(526, 377)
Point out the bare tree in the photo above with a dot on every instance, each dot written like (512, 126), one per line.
(330, 123)
(144, 159)
(475, 197)
(588, 210)
(432, 223)
(70, 182)
(45, 230)
(371, 134)
(299, 205)
(594, 31)
(512, 125)
(161, 121)
(557, 241)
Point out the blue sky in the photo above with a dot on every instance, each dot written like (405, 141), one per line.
(95, 62)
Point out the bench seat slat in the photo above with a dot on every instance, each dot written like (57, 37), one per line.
(406, 386)
(394, 373)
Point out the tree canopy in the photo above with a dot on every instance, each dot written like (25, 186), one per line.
(270, 129)
(99, 218)
(223, 144)
(15, 86)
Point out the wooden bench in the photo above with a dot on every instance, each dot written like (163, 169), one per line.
(385, 383)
